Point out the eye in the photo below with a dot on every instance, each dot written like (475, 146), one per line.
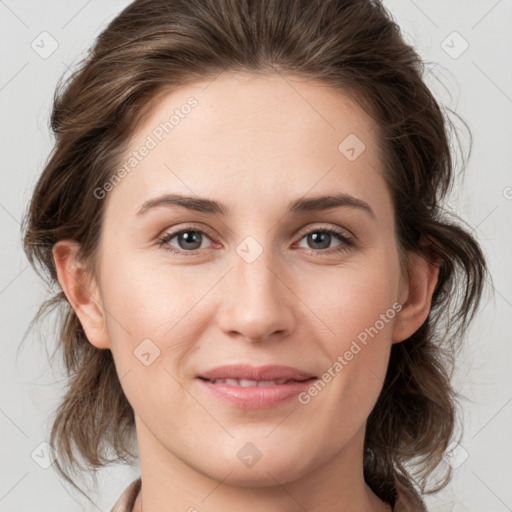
(320, 239)
(189, 239)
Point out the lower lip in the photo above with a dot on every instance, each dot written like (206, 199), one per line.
(256, 397)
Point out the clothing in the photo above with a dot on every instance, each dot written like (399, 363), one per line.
(408, 499)
(128, 496)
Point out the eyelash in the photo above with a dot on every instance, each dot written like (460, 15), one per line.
(347, 243)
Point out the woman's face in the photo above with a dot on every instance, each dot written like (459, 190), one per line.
(253, 280)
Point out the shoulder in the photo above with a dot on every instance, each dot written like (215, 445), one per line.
(408, 498)
(127, 499)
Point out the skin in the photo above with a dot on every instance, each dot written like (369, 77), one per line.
(253, 143)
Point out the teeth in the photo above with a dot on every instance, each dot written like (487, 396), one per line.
(245, 383)
(267, 383)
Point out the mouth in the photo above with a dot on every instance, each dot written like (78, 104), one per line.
(249, 387)
(246, 383)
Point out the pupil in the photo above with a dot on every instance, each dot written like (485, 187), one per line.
(321, 239)
(189, 239)
(315, 237)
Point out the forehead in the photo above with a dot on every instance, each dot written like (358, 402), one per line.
(255, 135)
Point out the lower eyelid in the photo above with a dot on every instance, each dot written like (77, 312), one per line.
(346, 241)
(167, 237)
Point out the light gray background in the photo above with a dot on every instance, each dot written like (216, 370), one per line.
(477, 84)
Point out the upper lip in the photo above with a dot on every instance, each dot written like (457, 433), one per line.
(245, 371)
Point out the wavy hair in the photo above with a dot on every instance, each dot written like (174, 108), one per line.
(355, 46)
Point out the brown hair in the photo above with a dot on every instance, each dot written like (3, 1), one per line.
(355, 46)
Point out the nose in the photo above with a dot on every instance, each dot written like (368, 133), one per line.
(256, 302)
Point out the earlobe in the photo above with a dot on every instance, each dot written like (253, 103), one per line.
(81, 291)
(418, 291)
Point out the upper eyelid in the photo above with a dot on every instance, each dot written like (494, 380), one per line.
(310, 229)
(303, 232)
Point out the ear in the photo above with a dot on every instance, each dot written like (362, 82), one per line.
(416, 293)
(81, 291)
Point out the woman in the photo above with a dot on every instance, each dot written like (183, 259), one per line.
(256, 370)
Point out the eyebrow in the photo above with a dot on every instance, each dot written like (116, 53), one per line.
(301, 205)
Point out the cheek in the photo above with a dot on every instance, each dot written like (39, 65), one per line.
(356, 302)
(142, 304)
(151, 330)
(359, 306)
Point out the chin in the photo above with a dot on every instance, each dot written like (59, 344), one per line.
(265, 468)
(261, 475)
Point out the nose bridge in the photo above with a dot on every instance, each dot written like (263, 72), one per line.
(255, 302)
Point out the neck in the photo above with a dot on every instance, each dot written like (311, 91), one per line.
(169, 484)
